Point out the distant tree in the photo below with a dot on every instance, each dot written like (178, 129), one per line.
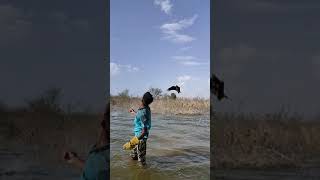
(124, 93)
(156, 92)
(173, 96)
(49, 101)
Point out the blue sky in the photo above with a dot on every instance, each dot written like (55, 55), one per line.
(160, 43)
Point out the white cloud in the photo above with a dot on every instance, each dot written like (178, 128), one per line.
(183, 58)
(188, 60)
(130, 68)
(183, 49)
(171, 30)
(165, 5)
(115, 68)
(183, 79)
(191, 63)
(179, 38)
(182, 24)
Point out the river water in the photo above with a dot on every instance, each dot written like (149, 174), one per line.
(177, 148)
(23, 164)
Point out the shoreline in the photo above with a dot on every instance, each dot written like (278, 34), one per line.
(179, 106)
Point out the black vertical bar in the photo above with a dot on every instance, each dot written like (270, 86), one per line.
(107, 76)
(212, 50)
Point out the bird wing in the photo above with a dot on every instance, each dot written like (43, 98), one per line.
(171, 88)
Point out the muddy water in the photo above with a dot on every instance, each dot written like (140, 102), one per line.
(305, 173)
(177, 148)
(23, 163)
(308, 170)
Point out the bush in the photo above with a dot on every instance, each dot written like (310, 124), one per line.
(49, 101)
(124, 93)
(156, 92)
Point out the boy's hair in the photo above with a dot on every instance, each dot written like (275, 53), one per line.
(147, 98)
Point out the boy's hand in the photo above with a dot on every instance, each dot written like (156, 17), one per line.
(70, 157)
(132, 111)
(73, 159)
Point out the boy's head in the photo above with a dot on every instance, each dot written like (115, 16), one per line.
(147, 99)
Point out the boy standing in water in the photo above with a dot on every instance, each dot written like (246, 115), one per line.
(142, 125)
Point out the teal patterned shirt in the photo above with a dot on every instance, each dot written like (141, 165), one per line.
(97, 164)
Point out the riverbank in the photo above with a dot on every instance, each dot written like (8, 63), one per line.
(179, 106)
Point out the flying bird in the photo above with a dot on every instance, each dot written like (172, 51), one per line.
(176, 88)
(217, 87)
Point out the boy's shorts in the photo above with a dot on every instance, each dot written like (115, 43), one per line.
(139, 151)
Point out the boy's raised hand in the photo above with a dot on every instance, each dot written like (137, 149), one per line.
(132, 111)
(70, 157)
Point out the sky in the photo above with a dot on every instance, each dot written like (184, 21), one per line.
(47, 44)
(268, 54)
(160, 43)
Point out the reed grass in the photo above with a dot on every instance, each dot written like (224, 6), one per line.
(263, 141)
(179, 106)
(52, 134)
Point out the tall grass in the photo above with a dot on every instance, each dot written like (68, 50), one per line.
(262, 141)
(165, 105)
(49, 133)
